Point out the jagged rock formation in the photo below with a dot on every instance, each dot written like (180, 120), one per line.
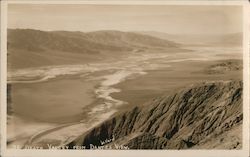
(203, 116)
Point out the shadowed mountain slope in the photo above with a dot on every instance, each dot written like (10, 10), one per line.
(203, 116)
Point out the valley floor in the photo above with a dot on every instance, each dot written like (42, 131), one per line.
(62, 107)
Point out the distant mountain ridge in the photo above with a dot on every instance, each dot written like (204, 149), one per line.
(92, 42)
(31, 48)
(233, 39)
(203, 116)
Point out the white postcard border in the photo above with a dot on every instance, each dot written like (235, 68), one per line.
(124, 153)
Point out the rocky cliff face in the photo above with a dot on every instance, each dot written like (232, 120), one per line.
(203, 116)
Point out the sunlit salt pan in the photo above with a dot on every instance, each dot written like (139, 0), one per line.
(115, 78)
(32, 75)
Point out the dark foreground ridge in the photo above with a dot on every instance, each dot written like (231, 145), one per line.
(203, 116)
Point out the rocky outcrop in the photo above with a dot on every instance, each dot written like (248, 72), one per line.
(194, 117)
(225, 66)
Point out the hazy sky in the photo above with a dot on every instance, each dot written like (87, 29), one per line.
(169, 19)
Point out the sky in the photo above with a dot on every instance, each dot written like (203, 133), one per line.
(161, 18)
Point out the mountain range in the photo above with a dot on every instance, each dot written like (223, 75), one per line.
(32, 48)
(27, 47)
(79, 42)
(233, 39)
